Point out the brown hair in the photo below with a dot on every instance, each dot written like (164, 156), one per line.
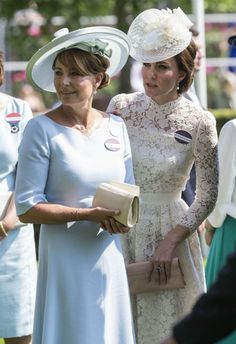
(185, 61)
(85, 63)
(1, 68)
(195, 32)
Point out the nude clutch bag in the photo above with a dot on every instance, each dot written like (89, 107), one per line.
(138, 282)
(122, 196)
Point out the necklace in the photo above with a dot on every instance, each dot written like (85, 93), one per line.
(80, 127)
(90, 128)
(92, 122)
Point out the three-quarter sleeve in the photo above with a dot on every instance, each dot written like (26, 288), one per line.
(206, 162)
(227, 175)
(113, 108)
(129, 175)
(32, 169)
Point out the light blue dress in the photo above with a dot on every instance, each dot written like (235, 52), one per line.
(82, 292)
(17, 251)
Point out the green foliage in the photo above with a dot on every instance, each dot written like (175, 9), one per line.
(216, 6)
(21, 45)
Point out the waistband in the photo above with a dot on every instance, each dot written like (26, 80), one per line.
(160, 197)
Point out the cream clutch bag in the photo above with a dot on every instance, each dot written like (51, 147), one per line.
(5, 198)
(122, 196)
(138, 274)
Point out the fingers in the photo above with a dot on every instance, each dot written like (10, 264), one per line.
(113, 212)
(168, 270)
(161, 272)
(114, 227)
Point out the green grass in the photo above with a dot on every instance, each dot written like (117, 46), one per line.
(1, 341)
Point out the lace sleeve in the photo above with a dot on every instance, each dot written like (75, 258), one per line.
(114, 105)
(206, 162)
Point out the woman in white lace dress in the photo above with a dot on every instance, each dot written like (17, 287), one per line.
(168, 133)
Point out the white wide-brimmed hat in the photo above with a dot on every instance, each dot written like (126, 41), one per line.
(102, 40)
(157, 35)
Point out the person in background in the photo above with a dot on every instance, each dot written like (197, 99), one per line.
(82, 291)
(191, 93)
(17, 246)
(33, 98)
(168, 133)
(213, 317)
(37, 105)
(188, 193)
(221, 224)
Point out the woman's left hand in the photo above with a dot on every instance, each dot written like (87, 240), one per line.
(113, 226)
(165, 252)
(161, 261)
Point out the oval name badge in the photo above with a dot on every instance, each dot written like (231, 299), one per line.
(183, 136)
(112, 145)
(13, 119)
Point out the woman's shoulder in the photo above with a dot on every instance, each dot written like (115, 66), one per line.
(125, 99)
(116, 123)
(40, 123)
(14, 102)
(229, 130)
(197, 113)
(230, 125)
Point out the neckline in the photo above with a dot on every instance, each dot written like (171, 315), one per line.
(171, 105)
(104, 121)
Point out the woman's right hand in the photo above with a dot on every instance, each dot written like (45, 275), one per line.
(98, 214)
(105, 217)
(209, 236)
(209, 232)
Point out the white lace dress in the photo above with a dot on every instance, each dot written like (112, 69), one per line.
(165, 141)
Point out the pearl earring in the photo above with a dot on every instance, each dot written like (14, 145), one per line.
(94, 89)
(177, 87)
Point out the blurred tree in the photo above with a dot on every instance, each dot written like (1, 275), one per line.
(31, 23)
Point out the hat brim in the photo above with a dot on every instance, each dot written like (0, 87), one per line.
(153, 56)
(232, 40)
(39, 69)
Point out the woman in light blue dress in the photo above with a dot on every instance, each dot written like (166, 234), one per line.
(17, 247)
(82, 291)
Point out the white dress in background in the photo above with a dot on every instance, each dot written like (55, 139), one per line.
(165, 141)
(82, 292)
(17, 251)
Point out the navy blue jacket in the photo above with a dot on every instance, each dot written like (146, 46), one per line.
(214, 315)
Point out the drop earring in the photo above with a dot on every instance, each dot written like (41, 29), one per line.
(94, 89)
(177, 87)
